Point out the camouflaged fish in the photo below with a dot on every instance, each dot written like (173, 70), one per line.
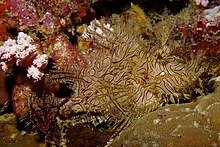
(130, 72)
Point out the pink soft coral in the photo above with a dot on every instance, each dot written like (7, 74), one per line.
(24, 54)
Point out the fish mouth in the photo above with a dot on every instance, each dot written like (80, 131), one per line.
(96, 119)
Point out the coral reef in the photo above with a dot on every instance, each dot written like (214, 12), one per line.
(48, 17)
(76, 83)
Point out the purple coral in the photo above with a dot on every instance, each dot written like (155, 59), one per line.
(25, 11)
(50, 23)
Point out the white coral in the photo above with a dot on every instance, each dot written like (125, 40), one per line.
(34, 73)
(203, 3)
(20, 49)
(40, 60)
(4, 66)
(8, 49)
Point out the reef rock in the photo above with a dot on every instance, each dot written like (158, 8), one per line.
(190, 124)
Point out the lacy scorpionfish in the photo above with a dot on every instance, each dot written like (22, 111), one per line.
(127, 74)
